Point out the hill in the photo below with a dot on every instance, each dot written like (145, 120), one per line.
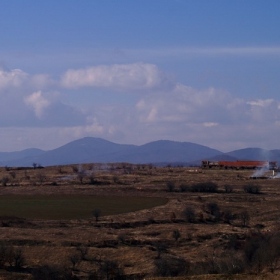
(161, 152)
(91, 149)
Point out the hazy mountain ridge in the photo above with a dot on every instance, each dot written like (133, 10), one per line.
(6, 156)
(90, 149)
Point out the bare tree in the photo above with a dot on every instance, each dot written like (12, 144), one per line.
(189, 214)
(41, 178)
(96, 213)
(4, 181)
(13, 174)
(75, 259)
(170, 186)
(160, 248)
(245, 218)
(81, 174)
(176, 234)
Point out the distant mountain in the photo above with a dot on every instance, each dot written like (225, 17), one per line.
(166, 151)
(11, 156)
(90, 150)
(255, 154)
(84, 150)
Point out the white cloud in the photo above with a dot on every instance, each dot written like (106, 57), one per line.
(38, 102)
(174, 111)
(14, 78)
(121, 77)
(185, 104)
(18, 79)
(261, 103)
(210, 124)
(84, 130)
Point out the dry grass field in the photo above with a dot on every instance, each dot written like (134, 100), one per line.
(122, 221)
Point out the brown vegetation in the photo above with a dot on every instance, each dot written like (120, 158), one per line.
(216, 222)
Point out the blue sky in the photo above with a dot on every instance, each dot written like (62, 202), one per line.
(137, 71)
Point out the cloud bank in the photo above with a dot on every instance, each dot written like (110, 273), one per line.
(36, 105)
(120, 77)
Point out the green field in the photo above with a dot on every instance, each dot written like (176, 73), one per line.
(72, 207)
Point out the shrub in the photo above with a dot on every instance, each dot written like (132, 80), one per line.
(176, 234)
(110, 270)
(244, 218)
(92, 180)
(4, 254)
(183, 187)
(228, 188)
(96, 213)
(171, 267)
(41, 178)
(254, 189)
(204, 187)
(262, 250)
(4, 181)
(212, 207)
(12, 256)
(19, 259)
(189, 214)
(170, 186)
(75, 169)
(122, 238)
(75, 259)
(47, 272)
(13, 174)
(160, 247)
(214, 210)
(83, 250)
(228, 216)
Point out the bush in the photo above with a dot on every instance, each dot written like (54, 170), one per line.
(160, 247)
(19, 259)
(252, 189)
(5, 254)
(209, 187)
(4, 181)
(183, 187)
(92, 180)
(75, 169)
(228, 216)
(96, 213)
(189, 214)
(171, 267)
(228, 188)
(83, 250)
(110, 270)
(176, 234)
(12, 256)
(170, 186)
(75, 259)
(262, 250)
(213, 209)
(47, 272)
(13, 174)
(244, 218)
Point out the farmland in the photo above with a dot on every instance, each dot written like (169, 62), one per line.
(71, 206)
(153, 221)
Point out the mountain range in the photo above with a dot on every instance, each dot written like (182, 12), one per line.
(162, 152)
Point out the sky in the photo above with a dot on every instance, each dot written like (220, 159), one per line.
(133, 72)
